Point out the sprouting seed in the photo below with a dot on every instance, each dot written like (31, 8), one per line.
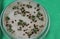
(35, 30)
(33, 17)
(38, 15)
(19, 23)
(20, 20)
(10, 28)
(24, 23)
(7, 18)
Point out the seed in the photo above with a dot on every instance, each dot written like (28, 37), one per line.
(38, 30)
(38, 5)
(10, 25)
(39, 14)
(29, 6)
(42, 19)
(41, 26)
(10, 28)
(24, 23)
(20, 28)
(16, 12)
(34, 12)
(29, 35)
(33, 17)
(17, 2)
(32, 32)
(7, 18)
(29, 26)
(12, 21)
(22, 7)
(23, 4)
(27, 15)
(23, 14)
(21, 20)
(15, 7)
(23, 34)
(29, 2)
(19, 23)
(35, 20)
(23, 11)
(26, 32)
(34, 25)
(6, 21)
(30, 14)
(37, 9)
(13, 31)
(34, 7)
(31, 22)
(15, 20)
(35, 31)
(7, 24)
(26, 29)
(27, 12)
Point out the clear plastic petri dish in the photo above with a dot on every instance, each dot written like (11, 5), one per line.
(25, 19)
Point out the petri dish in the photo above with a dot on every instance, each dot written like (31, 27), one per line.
(25, 19)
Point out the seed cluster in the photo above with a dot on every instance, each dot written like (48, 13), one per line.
(21, 23)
